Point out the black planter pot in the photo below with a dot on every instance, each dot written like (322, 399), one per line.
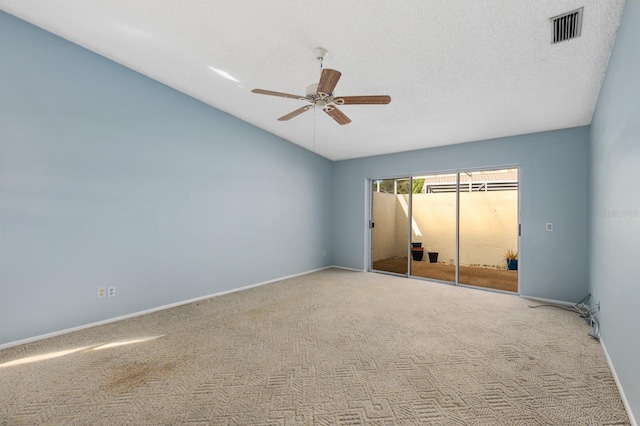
(416, 244)
(512, 264)
(433, 256)
(417, 253)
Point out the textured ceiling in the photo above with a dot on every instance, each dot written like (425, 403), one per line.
(456, 70)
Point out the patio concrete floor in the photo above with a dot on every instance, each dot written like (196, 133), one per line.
(499, 279)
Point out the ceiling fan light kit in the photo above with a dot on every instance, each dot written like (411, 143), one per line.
(320, 95)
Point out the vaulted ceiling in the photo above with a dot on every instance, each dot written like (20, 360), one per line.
(456, 70)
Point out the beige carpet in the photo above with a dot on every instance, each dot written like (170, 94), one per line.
(330, 348)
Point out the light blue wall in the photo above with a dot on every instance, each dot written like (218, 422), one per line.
(108, 178)
(615, 205)
(553, 188)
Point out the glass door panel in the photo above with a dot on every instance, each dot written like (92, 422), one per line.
(389, 225)
(488, 228)
(433, 227)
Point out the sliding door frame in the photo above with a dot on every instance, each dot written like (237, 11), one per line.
(370, 187)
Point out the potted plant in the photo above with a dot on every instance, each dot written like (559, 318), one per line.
(511, 256)
(433, 256)
(417, 251)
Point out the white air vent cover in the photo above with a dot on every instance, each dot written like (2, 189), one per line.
(566, 26)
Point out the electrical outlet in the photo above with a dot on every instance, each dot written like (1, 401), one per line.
(111, 291)
(549, 227)
(102, 292)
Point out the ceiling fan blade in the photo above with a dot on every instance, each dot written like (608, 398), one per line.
(295, 113)
(272, 93)
(328, 80)
(337, 115)
(363, 100)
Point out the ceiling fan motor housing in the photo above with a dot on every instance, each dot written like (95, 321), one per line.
(318, 99)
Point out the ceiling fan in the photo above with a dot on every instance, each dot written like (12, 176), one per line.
(321, 95)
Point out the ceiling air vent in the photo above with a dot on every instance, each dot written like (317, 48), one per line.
(566, 26)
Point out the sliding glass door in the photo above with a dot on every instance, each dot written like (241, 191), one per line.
(389, 225)
(488, 228)
(433, 214)
(458, 227)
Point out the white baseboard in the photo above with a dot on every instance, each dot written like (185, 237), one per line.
(347, 269)
(148, 311)
(625, 402)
